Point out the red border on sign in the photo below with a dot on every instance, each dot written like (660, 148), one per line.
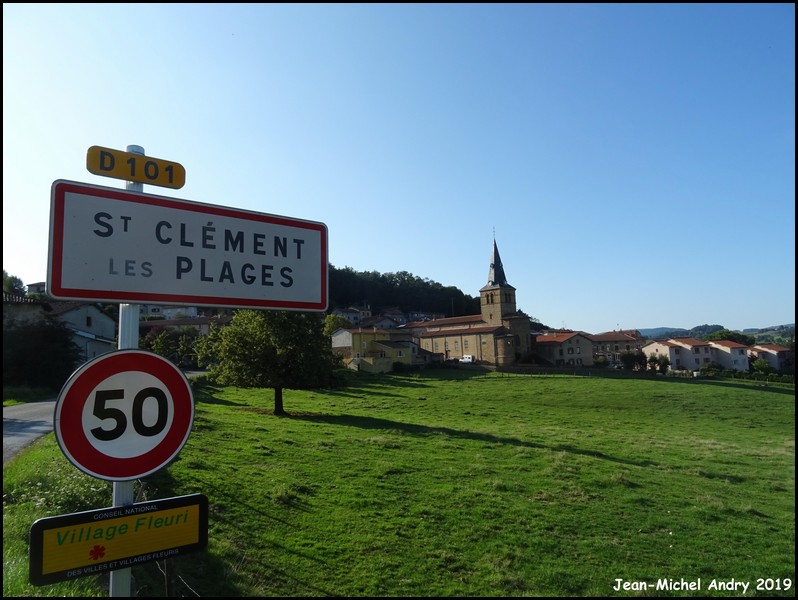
(55, 281)
(69, 415)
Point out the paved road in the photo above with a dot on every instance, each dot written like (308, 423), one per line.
(25, 423)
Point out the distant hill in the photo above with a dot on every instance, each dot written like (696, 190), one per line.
(783, 335)
(697, 332)
(656, 333)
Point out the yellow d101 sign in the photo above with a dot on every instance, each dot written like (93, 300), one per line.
(98, 541)
(135, 167)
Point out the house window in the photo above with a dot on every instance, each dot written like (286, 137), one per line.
(435, 344)
(570, 350)
(88, 321)
(676, 351)
(465, 344)
(561, 352)
(698, 362)
(579, 351)
(456, 345)
(627, 347)
(401, 354)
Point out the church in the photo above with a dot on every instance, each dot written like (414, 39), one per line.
(499, 335)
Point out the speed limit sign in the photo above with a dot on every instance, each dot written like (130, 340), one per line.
(124, 415)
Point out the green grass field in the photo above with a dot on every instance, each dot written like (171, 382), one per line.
(453, 483)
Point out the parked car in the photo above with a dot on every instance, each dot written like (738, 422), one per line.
(468, 358)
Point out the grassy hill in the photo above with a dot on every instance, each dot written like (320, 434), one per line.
(455, 483)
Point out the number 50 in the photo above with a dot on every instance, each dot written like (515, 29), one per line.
(102, 412)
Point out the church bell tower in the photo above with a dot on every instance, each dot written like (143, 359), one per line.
(497, 297)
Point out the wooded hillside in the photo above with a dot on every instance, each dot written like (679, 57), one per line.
(403, 290)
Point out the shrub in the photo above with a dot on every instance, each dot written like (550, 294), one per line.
(38, 354)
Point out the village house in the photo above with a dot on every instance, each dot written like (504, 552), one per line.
(732, 356)
(775, 355)
(565, 349)
(354, 314)
(682, 353)
(93, 332)
(375, 350)
(201, 324)
(611, 344)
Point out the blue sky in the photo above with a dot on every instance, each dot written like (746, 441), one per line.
(636, 162)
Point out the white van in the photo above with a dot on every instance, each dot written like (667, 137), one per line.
(468, 358)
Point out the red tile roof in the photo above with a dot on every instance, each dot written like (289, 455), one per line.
(557, 338)
(461, 331)
(688, 341)
(773, 347)
(728, 344)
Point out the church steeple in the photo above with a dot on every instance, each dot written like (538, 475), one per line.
(496, 274)
(497, 297)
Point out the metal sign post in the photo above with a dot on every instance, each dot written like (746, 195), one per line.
(123, 493)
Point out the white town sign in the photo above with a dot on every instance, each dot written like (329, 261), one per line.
(111, 245)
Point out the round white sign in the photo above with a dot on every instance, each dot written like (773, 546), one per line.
(124, 415)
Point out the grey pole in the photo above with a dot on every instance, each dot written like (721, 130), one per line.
(123, 495)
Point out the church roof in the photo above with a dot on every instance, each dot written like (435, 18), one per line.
(462, 331)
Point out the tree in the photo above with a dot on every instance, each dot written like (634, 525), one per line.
(711, 369)
(173, 343)
(731, 336)
(634, 360)
(405, 290)
(761, 366)
(277, 349)
(38, 354)
(628, 360)
(185, 347)
(12, 284)
(333, 323)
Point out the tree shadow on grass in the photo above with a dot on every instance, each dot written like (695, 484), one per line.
(221, 499)
(753, 386)
(425, 430)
